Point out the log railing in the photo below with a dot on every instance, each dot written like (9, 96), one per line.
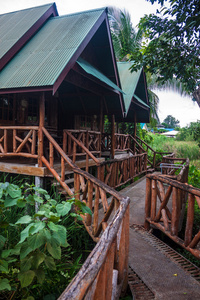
(91, 140)
(75, 148)
(165, 206)
(156, 156)
(105, 272)
(171, 165)
(116, 172)
(126, 142)
(18, 141)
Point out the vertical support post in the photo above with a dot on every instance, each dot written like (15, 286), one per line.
(135, 129)
(147, 203)
(39, 183)
(113, 137)
(190, 220)
(41, 124)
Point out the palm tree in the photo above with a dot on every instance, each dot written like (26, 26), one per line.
(127, 42)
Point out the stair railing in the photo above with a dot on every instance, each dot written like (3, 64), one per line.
(108, 262)
(70, 145)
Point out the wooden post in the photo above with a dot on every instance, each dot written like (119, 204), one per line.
(113, 137)
(190, 220)
(41, 124)
(147, 203)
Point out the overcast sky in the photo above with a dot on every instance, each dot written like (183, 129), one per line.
(182, 108)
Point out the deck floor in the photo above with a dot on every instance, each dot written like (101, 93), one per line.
(166, 279)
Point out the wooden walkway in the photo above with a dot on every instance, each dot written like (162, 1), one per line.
(164, 277)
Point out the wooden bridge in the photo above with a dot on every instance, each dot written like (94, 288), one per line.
(152, 269)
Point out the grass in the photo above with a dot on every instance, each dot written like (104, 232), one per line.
(182, 149)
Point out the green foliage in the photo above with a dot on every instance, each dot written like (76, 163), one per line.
(34, 248)
(194, 176)
(170, 122)
(190, 132)
(173, 47)
(182, 149)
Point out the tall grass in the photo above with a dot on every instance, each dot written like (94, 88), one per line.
(182, 149)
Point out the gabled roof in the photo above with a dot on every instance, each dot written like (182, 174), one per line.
(57, 44)
(135, 89)
(17, 28)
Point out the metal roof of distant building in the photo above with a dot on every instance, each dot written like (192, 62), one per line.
(43, 58)
(16, 25)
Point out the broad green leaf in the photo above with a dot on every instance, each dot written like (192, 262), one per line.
(63, 209)
(47, 234)
(40, 190)
(25, 233)
(53, 202)
(38, 258)
(40, 275)
(10, 201)
(30, 199)
(25, 250)
(21, 202)
(4, 284)
(50, 264)
(1, 192)
(54, 251)
(26, 278)
(24, 220)
(85, 209)
(37, 198)
(40, 213)
(14, 191)
(26, 263)
(60, 234)
(37, 240)
(37, 227)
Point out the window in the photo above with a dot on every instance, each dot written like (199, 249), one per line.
(6, 108)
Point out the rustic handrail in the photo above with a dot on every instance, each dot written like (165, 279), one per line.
(169, 219)
(109, 258)
(104, 273)
(85, 150)
(15, 145)
(116, 172)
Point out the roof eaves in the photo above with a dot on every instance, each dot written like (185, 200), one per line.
(26, 89)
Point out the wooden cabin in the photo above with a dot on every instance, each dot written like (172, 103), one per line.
(58, 80)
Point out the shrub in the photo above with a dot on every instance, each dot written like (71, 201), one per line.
(35, 256)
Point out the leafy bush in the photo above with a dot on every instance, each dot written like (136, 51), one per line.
(35, 256)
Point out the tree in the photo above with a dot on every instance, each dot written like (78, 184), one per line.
(170, 122)
(173, 50)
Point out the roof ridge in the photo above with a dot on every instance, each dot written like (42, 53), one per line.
(15, 11)
(84, 11)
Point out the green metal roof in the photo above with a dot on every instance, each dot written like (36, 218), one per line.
(15, 24)
(88, 68)
(43, 58)
(130, 82)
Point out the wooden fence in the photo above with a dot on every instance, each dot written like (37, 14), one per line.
(165, 206)
(18, 141)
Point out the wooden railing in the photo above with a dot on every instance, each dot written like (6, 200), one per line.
(90, 139)
(155, 155)
(172, 165)
(165, 206)
(116, 172)
(105, 272)
(75, 148)
(18, 141)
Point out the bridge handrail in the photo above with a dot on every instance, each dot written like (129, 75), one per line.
(170, 221)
